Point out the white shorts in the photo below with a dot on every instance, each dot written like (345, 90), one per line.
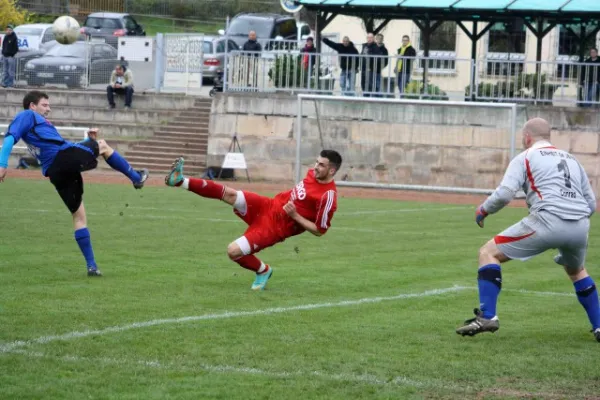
(542, 231)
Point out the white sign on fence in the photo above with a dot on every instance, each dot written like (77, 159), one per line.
(183, 61)
(131, 48)
(234, 161)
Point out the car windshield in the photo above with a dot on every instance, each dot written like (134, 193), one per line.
(28, 31)
(67, 50)
(241, 27)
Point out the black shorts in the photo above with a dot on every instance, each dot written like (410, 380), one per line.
(65, 171)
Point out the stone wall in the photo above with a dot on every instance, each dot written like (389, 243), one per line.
(403, 144)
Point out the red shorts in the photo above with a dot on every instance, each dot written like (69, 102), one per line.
(267, 222)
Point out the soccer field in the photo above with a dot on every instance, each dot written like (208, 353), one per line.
(368, 311)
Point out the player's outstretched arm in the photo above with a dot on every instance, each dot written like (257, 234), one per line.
(7, 146)
(513, 180)
(309, 226)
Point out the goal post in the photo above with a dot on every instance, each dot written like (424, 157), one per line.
(408, 144)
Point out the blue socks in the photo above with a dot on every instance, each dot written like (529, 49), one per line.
(489, 280)
(588, 297)
(120, 164)
(82, 236)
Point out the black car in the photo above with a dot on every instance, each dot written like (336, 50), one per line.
(268, 28)
(75, 65)
(111, 26)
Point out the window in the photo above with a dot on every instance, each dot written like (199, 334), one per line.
(442, 48)
(506, 48)
(220, 47)
(48, 36)
(232, 46)
(130, 24)
(568, 48)
(287, 29)
(102, 23)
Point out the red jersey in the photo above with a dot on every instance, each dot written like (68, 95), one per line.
(314, 201)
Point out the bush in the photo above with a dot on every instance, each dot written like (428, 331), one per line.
(415, 90)
(11, 13)
(287, 72)
(519, 86)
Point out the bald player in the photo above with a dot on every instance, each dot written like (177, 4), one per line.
(560, 201)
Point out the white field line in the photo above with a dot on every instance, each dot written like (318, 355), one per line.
(8, 347)
(171, 367)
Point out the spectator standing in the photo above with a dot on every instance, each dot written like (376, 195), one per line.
(10, 48)
(121, 82)
(590, 78)
(369, 70)
(382, 62)
(309, 59)
(348, 64)
(403, 68)
(252, 51)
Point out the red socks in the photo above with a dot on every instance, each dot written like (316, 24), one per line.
(207, 188)
(252, 263)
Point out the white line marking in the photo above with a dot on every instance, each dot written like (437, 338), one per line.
(224, 315)
(169, 366)
(9, 347)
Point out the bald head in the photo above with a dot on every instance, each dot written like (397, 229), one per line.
(534, 130)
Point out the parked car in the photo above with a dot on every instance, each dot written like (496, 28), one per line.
(75, 65)
(213, 52)
(111, 26)
(269, 29)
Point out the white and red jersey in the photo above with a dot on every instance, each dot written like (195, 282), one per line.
(315, 201)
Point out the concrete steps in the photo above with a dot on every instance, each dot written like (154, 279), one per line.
(185, 136)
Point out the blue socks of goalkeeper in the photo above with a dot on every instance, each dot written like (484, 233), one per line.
(588, 297)
(82, 236)
(489, 280)
(117, 162)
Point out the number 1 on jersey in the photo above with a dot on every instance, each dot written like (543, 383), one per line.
(564, 168)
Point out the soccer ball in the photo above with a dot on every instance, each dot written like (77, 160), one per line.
(66, 30)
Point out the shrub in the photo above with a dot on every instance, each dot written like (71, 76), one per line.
(11, 13)
(415, 90)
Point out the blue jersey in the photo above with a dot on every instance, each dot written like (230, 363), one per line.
(41, 137)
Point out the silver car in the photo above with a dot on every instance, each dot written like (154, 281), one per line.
(214, 50)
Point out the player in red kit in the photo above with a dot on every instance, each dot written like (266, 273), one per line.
(309, 206)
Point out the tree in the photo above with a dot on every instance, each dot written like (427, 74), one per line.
(10, 13)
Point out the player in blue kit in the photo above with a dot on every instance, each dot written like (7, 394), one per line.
(63, 162)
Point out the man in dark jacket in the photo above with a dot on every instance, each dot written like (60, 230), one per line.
(369, 66)
(404, 64)
(309, 59)
(10, 48)
(590, 78)
(349, 63)
(251, 58)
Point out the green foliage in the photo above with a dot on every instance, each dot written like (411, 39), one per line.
(526, 86)
(11, 13)
(288, 72)
(415, 90)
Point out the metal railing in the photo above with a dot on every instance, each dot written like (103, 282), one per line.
(437, 78)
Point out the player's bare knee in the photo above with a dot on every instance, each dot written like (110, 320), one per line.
(576, 273)
(233, 251)
(488, 253)
(104, 149)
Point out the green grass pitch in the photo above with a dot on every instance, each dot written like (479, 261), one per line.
(368, 311)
